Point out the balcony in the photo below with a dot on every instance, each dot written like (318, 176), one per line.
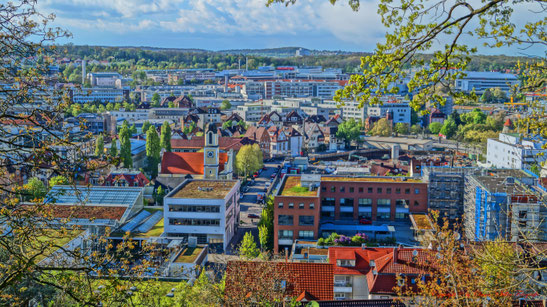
(285, 241)
(342, 287)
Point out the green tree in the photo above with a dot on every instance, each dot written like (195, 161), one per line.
(153, 150)
(133, 129)
(435, 127)
(263, 237)
(145, 126)
(349, 131)
(113, 148)
(34, 189)
(416, 129)
(125, 146)
(487, 96)
(99, 146)
(248, 248)
(227, 124)
(166, 136)
(58, 180)
(449, 128)
(499, 95)
(401, 128)
(155, 100)
(381, 128)
(225, 105)
(160, 194)
(247, 160)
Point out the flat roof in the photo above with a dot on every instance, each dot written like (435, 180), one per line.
(346, 227)
(206, 189)
(189, 254)
(399, 140)
(93, 195)
(293, 187)
(421, 221)
(372, 179)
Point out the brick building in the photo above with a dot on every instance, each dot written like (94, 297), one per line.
(304, 203)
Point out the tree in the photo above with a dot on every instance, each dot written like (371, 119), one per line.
(155, 100)
(499, 95)
(248, 248)
(227, 124)
(160, 194)
(435, 127)
(257, 152)
(114, 148)
(487, 96)
(349, 131)
(225, 105)
(58, 180)
(34, 189)
(166, 136)
(266, 222)
(125, 146)
(449, 128)
(145, 126)
(381, 128)
(247, 161)
(153, 150)
(263, 237)
(401, 128)
(99, 146)
(416, 129)
(133, 129)
(413, 27)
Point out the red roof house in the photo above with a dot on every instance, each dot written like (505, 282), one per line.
(187, 163)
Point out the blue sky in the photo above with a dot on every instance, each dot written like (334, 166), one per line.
(221, 24)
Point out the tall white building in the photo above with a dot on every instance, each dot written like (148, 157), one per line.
(510, 150)
(481, 81)
(400, 110)
(205, 209)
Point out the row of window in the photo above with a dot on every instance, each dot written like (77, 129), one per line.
(194, 222)
(288, 220)
(189, 208)
(371, 190)
(302, 234)
(364, 202)
(300, 206)
(379, 215)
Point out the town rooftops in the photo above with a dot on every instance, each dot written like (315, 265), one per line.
(94, 196)
(203, 189)
(292, 187)
(184, 163)
(372, 179)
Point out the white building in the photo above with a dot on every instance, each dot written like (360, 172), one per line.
(205, 209)
(399, 109)
(130, 116)
(481, 81)
(510, 150)
(252, 112)
(103, 79)
(350, 109)
(104, 95)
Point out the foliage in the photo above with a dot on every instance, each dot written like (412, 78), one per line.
(145, 126)
(166, 136)
(416, 129)
(227, 124)
(381, 128)
(58, 180)
(99, 146)
(449, 128)
(249, 159)
(160, 194)
(225, 105)
(34, 189)
(401, 128)
(349, 131)
(248, 248)
(267, 224)
(125, 146)
(114, 148)
(155, 100)
(435, 127)
(263, 237)
(342, 240)
(153, 150)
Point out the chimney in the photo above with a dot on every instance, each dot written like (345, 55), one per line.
(286, 254)
(395, 254)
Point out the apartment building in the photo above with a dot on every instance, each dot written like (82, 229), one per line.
(307, 206)
(349, 110)
(512, 150)
(103, 79)
(205, 209)
(253, 112)
(481, 81)
(400, 111)
(98, 94)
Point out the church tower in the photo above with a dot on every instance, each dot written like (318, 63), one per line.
(211, 153)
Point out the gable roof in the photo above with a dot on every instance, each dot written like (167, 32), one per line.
(304, 281)
(257, 133)
(187, 162)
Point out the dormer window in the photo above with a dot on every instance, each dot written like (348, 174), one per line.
(345, 263)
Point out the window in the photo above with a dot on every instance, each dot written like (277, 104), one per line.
(305, 234)
(346, 215)
(351, 189)
(327, 214)
(280, 205)
(388, 190)
(365, 215)
(194, 222)
(285, 234)
(301, 206)
(312, 206)
(383, 202)
(286, 220)
(324, 189)
(398, 191)
(291, 205)
(328, 201)
(345, 262)
(333, 189)
(369, 190)
(416, 191)
(306, 220)
(348, 202)
(402, 203)
(361, 190)
(523, 214)
(190, 208)
(379, 190)
(401, 216)
(383, 215)
(365, 202)
(342, 189)
(416, 203)
(407, 191)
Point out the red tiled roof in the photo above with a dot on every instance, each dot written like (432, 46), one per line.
(187, 162)
(304, 280)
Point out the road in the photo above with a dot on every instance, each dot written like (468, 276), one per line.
(248, 205)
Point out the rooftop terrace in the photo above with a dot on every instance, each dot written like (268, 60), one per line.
(371, 179)
(205, 189)
(189, 254)
(293, 187)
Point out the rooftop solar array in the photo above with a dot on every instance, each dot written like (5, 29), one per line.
(93, 195)
(153, 220)
(135, 221)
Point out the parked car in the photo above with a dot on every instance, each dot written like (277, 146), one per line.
(253, 216)
(272, 176)
(364, 221)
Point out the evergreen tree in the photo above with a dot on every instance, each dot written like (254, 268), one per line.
(156, 100)
(248, 248)
(114, 148)
(99, 146)
(153, 149)
(166, 136)
(145, 126)
(125, 146)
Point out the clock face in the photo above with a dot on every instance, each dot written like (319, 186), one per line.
(210, 154)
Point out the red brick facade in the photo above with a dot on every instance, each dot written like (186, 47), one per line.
(301, 209)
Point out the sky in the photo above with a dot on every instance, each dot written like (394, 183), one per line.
(222, 24)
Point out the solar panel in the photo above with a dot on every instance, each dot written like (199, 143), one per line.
(135, 221)
(153, 220)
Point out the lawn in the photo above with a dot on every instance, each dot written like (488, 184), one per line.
(292, 187)
(189, 255)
